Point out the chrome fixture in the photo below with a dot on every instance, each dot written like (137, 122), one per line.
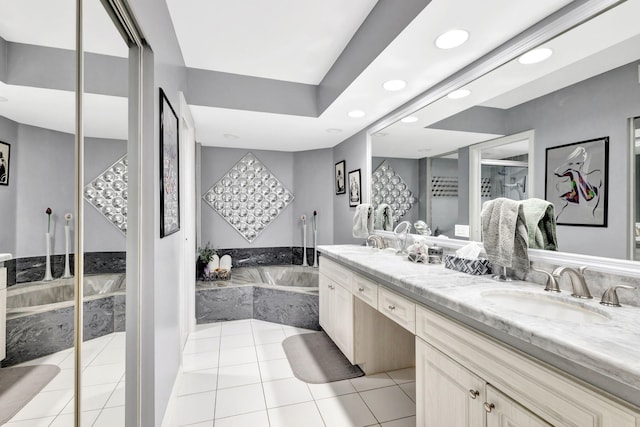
(610, 296)
(377, 241)
(579, 285)
(552, 283)
(401, 232)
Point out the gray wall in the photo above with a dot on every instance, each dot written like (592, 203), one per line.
(444, 210)
(307, 174)
(355, 153)
(408, 169)
(8, 194)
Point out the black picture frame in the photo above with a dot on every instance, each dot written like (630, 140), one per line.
(169, 168)
(355, 188)
(576, 182)
(340, 178)
(5, 158)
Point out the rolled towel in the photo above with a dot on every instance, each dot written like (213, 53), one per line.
(504, 233)
(363, 221)
(383, 217)
(541, 224)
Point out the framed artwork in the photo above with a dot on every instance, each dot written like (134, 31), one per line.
(169, 169)
(340, 179)
(5, 154)
(355, 188)
(576, 182)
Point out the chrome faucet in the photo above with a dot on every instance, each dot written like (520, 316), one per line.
(579, 285)
(378, 242)
(552, 283)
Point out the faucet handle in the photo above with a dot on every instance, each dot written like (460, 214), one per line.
(552, 283)
(610, 296)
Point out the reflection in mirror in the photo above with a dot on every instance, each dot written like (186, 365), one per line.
(587, 89)
(635, 139)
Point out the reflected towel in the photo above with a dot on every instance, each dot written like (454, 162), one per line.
(363, 221)
(383, 217)
(504, 233)
(541, 223)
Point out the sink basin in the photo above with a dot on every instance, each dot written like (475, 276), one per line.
(545, 305)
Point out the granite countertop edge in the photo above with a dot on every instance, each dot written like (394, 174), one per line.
(603, 355)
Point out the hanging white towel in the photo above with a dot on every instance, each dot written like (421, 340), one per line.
(363, 221)
(504, 233)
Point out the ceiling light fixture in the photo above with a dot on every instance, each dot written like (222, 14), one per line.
(451, 39)
(333, 130)
(355, 114)
(394, 85)
(231, 136)
(409, 119)
(535, 56)
(460, 93)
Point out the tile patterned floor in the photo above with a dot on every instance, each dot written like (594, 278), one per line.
(235, 375)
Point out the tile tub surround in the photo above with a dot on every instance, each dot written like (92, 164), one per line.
(31, 269)
(604, 354)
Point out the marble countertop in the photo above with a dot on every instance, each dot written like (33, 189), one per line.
(603, 351)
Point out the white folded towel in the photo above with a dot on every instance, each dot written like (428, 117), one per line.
(504, 233)
(363, 221)
(383, 217)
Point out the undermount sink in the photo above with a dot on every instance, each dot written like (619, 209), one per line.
(545, 305)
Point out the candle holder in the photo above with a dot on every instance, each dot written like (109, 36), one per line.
(47, 267)
(67, 269)
(304, 241)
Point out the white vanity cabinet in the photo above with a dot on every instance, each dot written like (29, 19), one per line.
(464, 378)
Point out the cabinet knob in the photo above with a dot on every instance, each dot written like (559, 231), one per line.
(489, 406)
(473, 393)
(360, 289)
(331, 287)
(392, 307)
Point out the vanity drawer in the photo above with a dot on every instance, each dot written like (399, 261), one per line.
(366, 290)
(397, 308)
(336, 272)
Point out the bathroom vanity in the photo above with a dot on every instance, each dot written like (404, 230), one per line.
(485, 352)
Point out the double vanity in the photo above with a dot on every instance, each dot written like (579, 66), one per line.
(486, 352)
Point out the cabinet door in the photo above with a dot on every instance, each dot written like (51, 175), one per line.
(446, 393)
(343, 320)
(326, 304)
(504, 412)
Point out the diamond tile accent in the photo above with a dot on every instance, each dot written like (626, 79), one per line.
(249, 197)
(108, 193)
(388, 187)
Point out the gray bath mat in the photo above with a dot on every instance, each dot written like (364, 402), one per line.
(315, 359)
(18, 385)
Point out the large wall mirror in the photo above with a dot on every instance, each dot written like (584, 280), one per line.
(588, 88)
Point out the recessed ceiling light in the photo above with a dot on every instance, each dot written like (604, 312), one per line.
(231, 136)
(409, 119)
(3, 99)
(451, 39)
(535, 56)
(355, 114)
(460, 93)
(333, 130)
(393, 85)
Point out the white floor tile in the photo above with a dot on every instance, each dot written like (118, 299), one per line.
(202, 345)
(197, 381)
(36, 422)
(389, 403)
(206, 330)
(270, 351)
(272, 370)
(286, 392)
(302, 414)
(44, 404)
(345, 411)
(337, 388)
(202, 424)
(236, 328)
(403, 422)
(370, 382)
(292, 330)
(235, 341)
(66, 420)
(400, 376)
(51, 359)
(253, 419)
(199, 361)
(119, 340)
(117, 397)
(410, 390)
(64, 380)
(239, 400)
(109, 355)
(194, 408)
(237, 375)
(93, 397)
(103, 374)
(261, 325)
(269, 336)
(110, 417)
(237, 356)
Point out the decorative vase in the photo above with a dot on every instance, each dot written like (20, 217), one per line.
(315, 248)
(47, 268)
(304, 245)
(67, 268)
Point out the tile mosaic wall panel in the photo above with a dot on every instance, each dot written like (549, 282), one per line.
(108, 193)
(447, 186)
(249, 197)
(387, 186)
